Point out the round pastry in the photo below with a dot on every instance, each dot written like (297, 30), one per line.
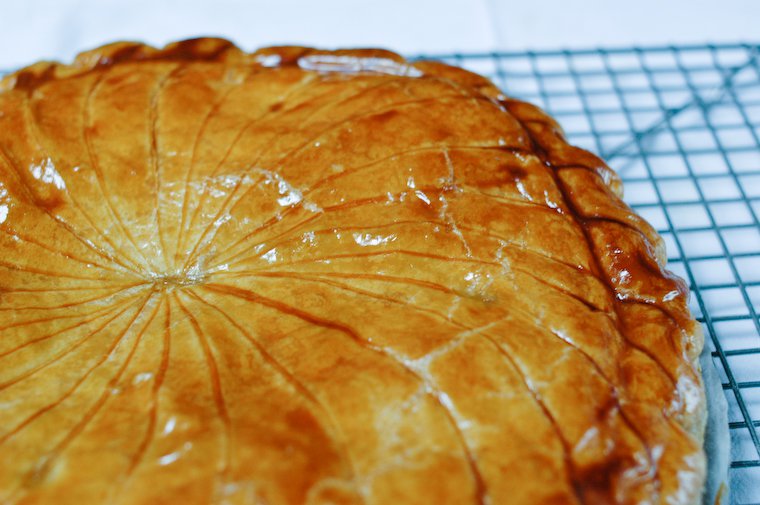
(311, 277)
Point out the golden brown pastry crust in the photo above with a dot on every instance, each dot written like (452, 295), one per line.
(301, 276)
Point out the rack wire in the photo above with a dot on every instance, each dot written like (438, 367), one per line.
(681, 125)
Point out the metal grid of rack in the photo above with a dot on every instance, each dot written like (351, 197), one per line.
(681, 125)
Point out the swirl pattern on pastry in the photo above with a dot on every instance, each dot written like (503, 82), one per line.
(301, 276)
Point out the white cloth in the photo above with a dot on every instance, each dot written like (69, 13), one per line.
(57, 29)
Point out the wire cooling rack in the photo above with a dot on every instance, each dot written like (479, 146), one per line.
(681, 125)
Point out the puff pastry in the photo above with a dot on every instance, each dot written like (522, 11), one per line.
(302, 276)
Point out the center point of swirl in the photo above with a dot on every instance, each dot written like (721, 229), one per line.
(169, 281)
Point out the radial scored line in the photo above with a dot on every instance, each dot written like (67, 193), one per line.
(216, 387)
(481, 491)
(553, 172)
(29, 193)
(29, 240)
(32, 120)
(64, 330)
(74, 303)
(50, 457)
(231, 146)
(345, 287)
(116, 218)
(293, 152)
(289, 377)
(193, 157)
(154, 162)
(330, 178)
(142, 448)
(71, 390)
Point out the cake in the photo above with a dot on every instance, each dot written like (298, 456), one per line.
(298, 276)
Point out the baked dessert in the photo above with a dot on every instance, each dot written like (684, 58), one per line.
(301, 276)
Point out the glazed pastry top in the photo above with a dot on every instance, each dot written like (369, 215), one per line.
(300, 276)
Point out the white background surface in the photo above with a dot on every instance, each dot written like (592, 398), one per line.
(57, 29)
